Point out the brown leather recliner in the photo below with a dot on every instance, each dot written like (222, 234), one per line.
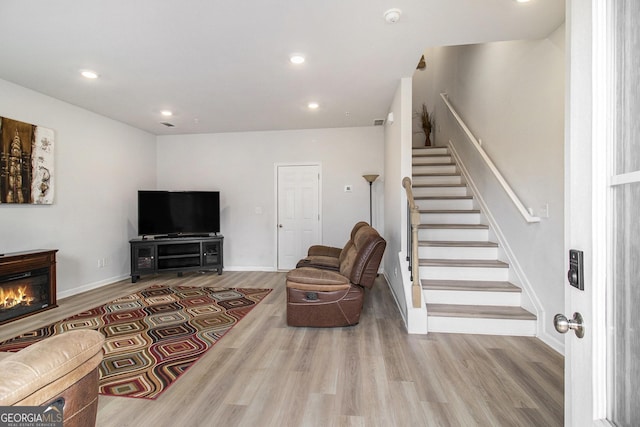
(324, 298)
(60, 367)
(329, 257)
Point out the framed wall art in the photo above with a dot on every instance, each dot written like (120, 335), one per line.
(26, 163)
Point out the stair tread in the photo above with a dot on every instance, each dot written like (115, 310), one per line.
(429, 154)
(426, 262)
(442, 197)
(458, 243)
(432, 164)
(469, 285)
(479, 311)
(468, 226)
(449, 211)
(437, 185)
(460, 310)
(422, 174)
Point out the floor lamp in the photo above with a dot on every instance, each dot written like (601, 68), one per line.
(370, 179)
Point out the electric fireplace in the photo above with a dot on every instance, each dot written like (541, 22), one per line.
(27, 284)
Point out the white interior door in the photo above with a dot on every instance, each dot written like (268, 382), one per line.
(602, 370)
(298, 213)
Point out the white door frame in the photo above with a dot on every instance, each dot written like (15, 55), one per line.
(588, 160)
(581, 212)
(276, 166)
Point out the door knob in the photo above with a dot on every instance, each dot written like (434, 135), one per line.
(563, 324)
(279, 225)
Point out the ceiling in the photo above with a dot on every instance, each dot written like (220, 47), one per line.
(223, 66)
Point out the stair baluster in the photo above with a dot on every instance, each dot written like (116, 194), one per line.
(412, 239)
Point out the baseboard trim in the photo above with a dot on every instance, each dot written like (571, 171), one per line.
(249, 268)
(91, 286)
(555, 341)
(111, 280)
(395, 298)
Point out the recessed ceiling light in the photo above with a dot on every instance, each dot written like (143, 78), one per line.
(296, 59)
(166, 113)
(89, 74)
(313, 105)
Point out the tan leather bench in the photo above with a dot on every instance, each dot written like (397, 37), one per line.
(63, 366)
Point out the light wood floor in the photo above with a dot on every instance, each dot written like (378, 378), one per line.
(263, 373)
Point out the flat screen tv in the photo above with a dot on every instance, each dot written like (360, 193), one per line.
(178, 213)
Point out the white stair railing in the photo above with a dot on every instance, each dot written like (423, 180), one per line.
(492, 167)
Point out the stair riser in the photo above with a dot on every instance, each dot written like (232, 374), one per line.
(508, 299)
(422, 151)
(453, 234)
(425, 171)
(439, 191)
(437, 179)
(450, 218)
(429, 160)
(460, 325)
(449, 204)
(464, 273)
(422, 169)
(465, 252)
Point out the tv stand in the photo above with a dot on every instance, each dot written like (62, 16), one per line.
(176, 254)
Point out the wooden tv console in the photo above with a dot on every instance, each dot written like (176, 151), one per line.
(178, 254)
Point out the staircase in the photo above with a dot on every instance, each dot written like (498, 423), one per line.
(465, 285)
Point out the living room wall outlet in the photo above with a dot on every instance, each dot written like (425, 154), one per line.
(347, 188)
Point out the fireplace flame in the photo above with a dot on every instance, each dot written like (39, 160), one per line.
(12, 297)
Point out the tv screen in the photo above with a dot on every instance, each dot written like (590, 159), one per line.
(178, 212)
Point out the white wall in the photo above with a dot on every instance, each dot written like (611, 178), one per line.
(397, 165)
(99, 165)
(423, 84)
(511, 95)
(242, 167)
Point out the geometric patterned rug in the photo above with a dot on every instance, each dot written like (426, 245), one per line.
(154, 335)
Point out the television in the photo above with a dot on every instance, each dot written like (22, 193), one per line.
(178, 213)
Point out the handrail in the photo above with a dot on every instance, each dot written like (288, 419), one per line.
(412, 239)
(512, 195)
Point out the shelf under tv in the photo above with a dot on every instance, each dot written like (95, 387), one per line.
(167, 254)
